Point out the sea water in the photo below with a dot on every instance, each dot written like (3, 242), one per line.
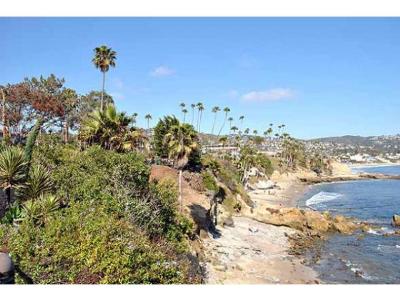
(372, 257)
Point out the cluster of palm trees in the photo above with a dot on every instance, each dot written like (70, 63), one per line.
(112, 130)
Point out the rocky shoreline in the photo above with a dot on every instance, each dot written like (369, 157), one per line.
(275, 225)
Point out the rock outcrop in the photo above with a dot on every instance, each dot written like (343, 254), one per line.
(308, 220)
(396, 220)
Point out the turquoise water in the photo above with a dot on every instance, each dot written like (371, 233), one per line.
(363, 257)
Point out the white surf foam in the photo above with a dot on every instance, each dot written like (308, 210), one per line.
(322, 197)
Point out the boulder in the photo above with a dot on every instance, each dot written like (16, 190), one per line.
(396, 220)
(316, 221)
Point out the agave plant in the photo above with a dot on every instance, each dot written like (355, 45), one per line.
(12, 170)
(40, 210)
(37, 183)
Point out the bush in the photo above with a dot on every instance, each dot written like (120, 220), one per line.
(87, 244)
(209, 181)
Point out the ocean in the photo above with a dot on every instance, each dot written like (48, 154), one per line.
(362, 257)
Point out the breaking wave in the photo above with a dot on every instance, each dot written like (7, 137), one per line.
(322, 197)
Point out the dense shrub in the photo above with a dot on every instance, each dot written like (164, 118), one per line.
(88, 244)
(209, 181)
(105, 223)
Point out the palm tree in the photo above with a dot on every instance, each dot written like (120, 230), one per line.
(223, 140)
(247, 131)
(200, 108)
(13, 168)
(184, 111)
(193, 107)
(148, 117)
(181, 141)
(182, 105)
(226, 110)
(215, 110)
(134, 118)
(255, 132)
(108, 128)
(230, 120)
(234, 128)
(103, 59)
(241, 118)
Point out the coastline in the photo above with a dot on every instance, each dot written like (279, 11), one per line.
(252, 251)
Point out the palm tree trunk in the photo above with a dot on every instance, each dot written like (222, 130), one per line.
(223, 125)
(215, 119)
(102, 92)
(198, 120)
(201, 115)
(192, 116)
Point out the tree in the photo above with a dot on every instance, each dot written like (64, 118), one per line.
(241, 118)
(234, 129)
(103, 59)
(226, 110)
(215, 110)
(110, 129)
(193, 107)
(181, 141)
(91, 102)
(247, 131)
(70, 103)
(223, 140)
(230, 120)
(184, 111)
(255, 132)
(148, 117)
(200, 108)
(134, 118)
(3, 116)
(160, 130)
(12, 170)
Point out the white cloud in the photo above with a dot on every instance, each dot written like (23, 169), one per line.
(162, 71)
(268, 95)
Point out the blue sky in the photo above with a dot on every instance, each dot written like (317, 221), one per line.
(319, 76)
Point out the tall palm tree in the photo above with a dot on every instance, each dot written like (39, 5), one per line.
(200, 108)
(148, 117)
(226, 110)
(181, 141)
(215, 110)
(247, 131)
(193, 107)
(230, 120)
(234, 129)
(134, 118)
(184, 111)
(241, 118)
(255, 132)
(182, 105)
(103, 59)
(13, 168)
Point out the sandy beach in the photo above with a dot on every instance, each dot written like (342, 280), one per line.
(255, 252)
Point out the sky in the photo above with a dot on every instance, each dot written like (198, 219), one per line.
(318, 76)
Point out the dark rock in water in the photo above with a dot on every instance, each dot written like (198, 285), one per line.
(396, 220)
